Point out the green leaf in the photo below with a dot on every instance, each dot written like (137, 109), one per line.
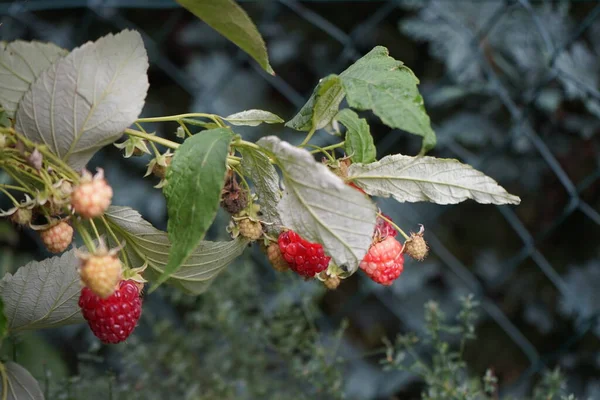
(193, 192)
(320, 207)
(358, 142)
(20, 385)
(4, 121)
(20, 64)
(86, 100)
(321, 107)
(231, 21)
(257, 166)
(145, 242)
(253, 118)
(3, 322)
(386, 86)
(437, 180)
(42, 294)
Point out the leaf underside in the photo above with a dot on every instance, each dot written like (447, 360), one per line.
(436, 180)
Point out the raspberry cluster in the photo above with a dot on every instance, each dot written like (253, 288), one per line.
(303, 257)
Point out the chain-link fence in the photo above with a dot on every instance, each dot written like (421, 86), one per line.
(512, 88)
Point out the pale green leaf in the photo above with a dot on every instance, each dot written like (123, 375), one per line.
(42, 294)
(231, 21)
(386, 86)
(144, 242)
(195, 180)
(436, 180)
(253, 118)
(20, 64)
(86, 100)
(320, 207)
(20, 384)
(358, 143)
(256, 166)
(321, 107)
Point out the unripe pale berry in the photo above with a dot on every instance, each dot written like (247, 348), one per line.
(101, 273)
(92, 197)
(57, 237)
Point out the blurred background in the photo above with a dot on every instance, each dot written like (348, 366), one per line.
(512, 88)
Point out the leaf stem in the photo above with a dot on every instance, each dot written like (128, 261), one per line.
(15, 202)
(330, 147)
(13, 187)
(215, 118)
(95, 229)
(380, 215)
(308, 137)
(152, 138)
(87, 239)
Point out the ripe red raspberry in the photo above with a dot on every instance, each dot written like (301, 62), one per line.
(384, 262)
(304, 258)
(276, 258)
(383, 228)
(101, 273)
(251, 230)
(112, 319)
(58, 237)
(92, 196)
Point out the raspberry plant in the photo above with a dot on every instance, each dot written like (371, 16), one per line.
(63, 107)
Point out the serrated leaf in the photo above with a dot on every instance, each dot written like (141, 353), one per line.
(321, 107)
(231, 21)
(145, 242)
(3, 322)
(20, 64)
(4, 121)
(358, 142)
(256, 165)
(253, 118)
(195, 180)
(42, 294)
(20, 384)
(437, 180)
(386, 86)
(86, 100)
(320, 207)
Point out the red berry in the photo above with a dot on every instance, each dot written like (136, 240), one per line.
(384, 262)
(383, 229)
(58, 237)
(112, 319)
(304, 258)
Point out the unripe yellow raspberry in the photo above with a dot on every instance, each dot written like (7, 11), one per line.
(276, 258)
(101, 273)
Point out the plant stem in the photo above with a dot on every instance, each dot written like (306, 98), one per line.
(330, 147)
(152, 138)
(380, 215)
(308, 137)
(15, 202)
(12, 187)
(179, 117)
(95, 229)
(87, 239)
